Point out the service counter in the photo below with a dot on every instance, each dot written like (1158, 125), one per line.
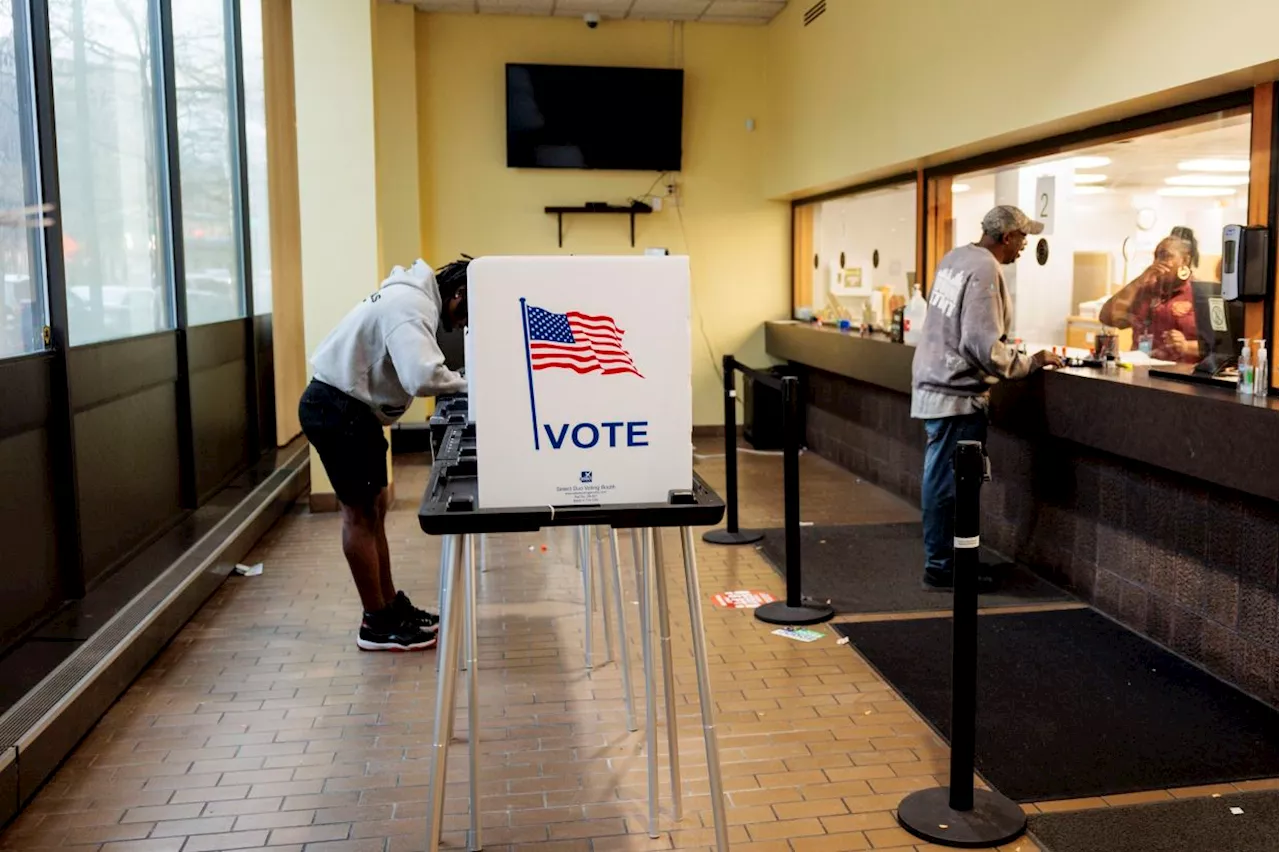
(1151, 498)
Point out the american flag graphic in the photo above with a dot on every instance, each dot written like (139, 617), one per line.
(578, 342)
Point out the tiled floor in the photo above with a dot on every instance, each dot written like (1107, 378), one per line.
(262, 726)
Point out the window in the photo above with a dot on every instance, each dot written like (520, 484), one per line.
(863, 254)
(22, 303)
(255, 128)
(206, 141)
(1114, 208)
(109, 167)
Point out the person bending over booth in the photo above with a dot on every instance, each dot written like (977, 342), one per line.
(1159, 305)
(965, 349)
(364, 375)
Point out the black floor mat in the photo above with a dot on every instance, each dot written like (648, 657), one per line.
(1071, 704)
(1202, 825)
(877, 568)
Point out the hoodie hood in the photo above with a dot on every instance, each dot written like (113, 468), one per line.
(420, 276)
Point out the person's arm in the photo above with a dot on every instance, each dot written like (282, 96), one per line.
(419, 362)
(1117, 312)
(982, 334)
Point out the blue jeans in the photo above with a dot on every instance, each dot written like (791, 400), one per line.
(938, 486)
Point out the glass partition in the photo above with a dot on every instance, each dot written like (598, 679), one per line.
(255, 132)
(22, 290)
(206, 165)
(863, 248)
(110, 168)
(1133, 238)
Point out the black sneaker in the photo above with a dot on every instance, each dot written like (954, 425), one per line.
(390, 630)
(405, 607)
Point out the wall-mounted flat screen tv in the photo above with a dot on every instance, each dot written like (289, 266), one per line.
(586, 117)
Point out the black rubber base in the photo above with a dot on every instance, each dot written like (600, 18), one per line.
(726, 537)
(779, 613)
(993, 821)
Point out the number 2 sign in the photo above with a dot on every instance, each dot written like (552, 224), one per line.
(1044, 206)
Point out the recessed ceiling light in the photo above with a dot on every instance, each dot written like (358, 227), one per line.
(1195, 191)
(1090, 162)
(1214, 165)
(1207, 180)
(1089, 190)
(1087, 177)
(959, 187)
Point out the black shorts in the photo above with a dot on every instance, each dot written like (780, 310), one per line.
(348, 437)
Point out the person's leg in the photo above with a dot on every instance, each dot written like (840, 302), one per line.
(937, 499)
(363, 543)
(938, 489)
(384, 551)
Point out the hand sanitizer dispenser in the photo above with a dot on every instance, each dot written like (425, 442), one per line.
(1246, 257)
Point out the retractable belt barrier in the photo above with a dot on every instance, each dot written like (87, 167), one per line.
(958, 815)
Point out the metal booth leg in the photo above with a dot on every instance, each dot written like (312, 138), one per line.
(650, 699)
(584, 565)
(474, 843)
(452, 614)
(704, 689)
(484, 553)
(668, 672)
(598, 573)
(624, 655)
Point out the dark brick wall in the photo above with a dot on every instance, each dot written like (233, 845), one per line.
(1188, 564)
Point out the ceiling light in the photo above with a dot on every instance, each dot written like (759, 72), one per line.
(1087, 177)
(1214, 165)
(1207, 180)
(1090, 162)
(1195, 191)
(959, 187)
(1089, 190)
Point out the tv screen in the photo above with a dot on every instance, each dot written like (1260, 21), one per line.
(582, 117)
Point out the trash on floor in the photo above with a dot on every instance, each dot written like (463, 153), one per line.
(249, 570)
(1237, 811)
(843, 640)
(800, 634)
(742, 599)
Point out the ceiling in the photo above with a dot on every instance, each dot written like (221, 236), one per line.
(708, 11)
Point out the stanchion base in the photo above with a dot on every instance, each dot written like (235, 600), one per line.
(779, 613)
(727, 537)
(993, 821)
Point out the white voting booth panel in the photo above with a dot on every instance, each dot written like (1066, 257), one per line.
(580, 379)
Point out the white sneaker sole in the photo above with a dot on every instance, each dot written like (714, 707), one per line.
(366, 645)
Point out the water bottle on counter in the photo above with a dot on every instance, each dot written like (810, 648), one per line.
(913, 318)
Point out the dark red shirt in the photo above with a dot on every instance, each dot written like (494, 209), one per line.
(1177, 312)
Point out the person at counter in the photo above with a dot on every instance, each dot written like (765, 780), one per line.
(965, 349)
(1159, 305)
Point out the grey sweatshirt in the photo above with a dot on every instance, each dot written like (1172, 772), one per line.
(965, 347)
(384, 352)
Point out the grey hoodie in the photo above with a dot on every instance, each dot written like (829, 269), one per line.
(384, 352)
(965, 348)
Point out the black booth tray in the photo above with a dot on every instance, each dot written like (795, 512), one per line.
(449, 506)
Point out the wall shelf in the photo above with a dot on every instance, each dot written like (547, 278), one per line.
(632, 211)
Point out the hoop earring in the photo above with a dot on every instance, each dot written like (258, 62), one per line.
(1184, 272)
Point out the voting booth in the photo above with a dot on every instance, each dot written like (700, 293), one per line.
(579, 414)
(579, 372)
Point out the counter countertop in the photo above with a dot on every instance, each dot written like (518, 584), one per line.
(1210, 433)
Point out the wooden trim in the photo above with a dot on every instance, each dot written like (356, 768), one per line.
(1261, 180)
(922, 227)
(939, 227)
(801, 256)
(288, 342)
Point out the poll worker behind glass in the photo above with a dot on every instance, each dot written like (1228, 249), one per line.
(964, 350)
(1159, 305)
(365, 373)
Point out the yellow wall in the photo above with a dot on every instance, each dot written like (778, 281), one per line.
(395, 104)
(878, 86)
(333, 73)
(737, 242)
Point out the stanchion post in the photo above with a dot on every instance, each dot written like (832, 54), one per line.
(959, 815)
(731, 534)
(794, 610)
